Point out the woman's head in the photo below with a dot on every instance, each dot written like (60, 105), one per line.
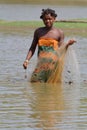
(48, 16)
(48, 11)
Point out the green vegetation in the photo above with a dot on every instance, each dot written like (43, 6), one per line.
(21, 23)
(29, 26)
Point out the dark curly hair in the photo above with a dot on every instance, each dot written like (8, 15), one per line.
(48, 11)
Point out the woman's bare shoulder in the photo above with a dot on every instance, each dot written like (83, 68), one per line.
(39, 29)
(59, 30)
(39, 32)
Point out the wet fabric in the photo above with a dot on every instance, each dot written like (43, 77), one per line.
(50, 61)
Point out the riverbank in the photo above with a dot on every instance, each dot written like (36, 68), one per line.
(27, 27)
(52, 2)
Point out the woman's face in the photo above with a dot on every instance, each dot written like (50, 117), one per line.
(48, 20)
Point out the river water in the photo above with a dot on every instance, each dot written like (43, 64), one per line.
(26, 106)
(33, 12)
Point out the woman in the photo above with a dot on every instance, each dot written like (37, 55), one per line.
(49, 40)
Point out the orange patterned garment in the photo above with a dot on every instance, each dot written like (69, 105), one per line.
(48, 68)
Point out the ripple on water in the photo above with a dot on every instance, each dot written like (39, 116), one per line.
(38, 106)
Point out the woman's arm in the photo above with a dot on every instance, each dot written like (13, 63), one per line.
(61, 42)
(31, 50)
(61, 38)
(70, 42)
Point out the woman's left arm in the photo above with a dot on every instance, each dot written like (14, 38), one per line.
(61, 37)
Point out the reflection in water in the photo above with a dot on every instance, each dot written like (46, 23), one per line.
(51, 107)
(26, 106)
(48, 104)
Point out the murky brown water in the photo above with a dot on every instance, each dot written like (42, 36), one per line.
(26, 106)
(41, 107)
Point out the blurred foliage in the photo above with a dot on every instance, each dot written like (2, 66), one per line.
(29, 26)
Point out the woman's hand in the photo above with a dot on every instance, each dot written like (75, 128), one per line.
(70, 42)
(25, 64)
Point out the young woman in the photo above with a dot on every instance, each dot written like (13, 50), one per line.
(49, 40)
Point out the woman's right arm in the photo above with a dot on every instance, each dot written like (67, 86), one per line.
(31, 50)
